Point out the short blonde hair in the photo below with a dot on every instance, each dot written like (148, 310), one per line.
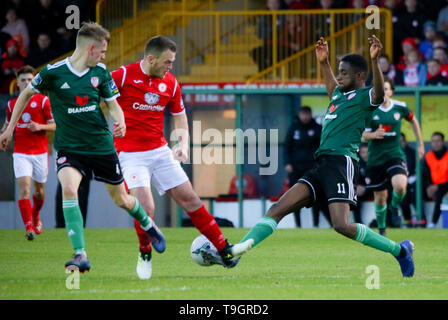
(92, 31)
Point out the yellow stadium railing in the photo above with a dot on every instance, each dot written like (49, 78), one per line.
(351, 38)
(132, 22)
(230, 45)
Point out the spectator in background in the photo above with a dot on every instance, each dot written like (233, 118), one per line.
(263, 55)
(438, 42)
(435, 174)
(47, 18)
(414, 74)
(431, 8)
(426, 46)
(12, 62)
(386, 67)
(43, 53)
(407, 45)
(434, 76)
(321, 22)
(409, 23)
(442, 20)
(18, 30)
(441, 56)
(302, 140)
(300, 4)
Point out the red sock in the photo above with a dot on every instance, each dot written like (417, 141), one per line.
(37, 205)
(143, 239)
(26, 212)
(206, 224)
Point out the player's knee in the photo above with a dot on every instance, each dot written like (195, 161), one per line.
(39, 193)
(24, 194)
(341, 227)
(123, 201)
(69, 192)
(400, 188)
(275, 213)
(190, 202)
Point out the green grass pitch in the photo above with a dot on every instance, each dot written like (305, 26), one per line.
(291, 264)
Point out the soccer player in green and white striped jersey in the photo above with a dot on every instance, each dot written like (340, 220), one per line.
(84, 143)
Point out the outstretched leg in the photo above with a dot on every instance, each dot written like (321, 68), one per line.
(295, 198)
(340, 213)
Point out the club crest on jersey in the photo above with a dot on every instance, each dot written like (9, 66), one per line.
(351, 96)
(151, 98)
(33, 104)
(162, 87)
(26, 117)
(94, 81)
(61, 160)
(397, 116)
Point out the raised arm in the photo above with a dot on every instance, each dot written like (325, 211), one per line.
(322, 54)
(378, 80)
(22, 101)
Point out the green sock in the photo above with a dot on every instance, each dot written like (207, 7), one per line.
(74, 224)
(263, 229)
(396, 198)
(368, 237)
(381, 213)
(140, 215)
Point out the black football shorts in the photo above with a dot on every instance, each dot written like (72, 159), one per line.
(332, 179)
(106, 168)
(378, 177)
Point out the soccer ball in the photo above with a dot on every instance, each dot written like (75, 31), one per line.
(203, 252)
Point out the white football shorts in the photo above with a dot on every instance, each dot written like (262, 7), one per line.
(157, 167)
(31, 165)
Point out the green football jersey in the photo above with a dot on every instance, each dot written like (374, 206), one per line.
(345, 122)
(75, 102)
(382, 150)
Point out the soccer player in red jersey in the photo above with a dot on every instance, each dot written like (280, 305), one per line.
(147, 88)
(31, 151)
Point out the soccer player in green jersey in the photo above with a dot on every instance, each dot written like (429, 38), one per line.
(386, 160)
(84, 143)
(336, 169)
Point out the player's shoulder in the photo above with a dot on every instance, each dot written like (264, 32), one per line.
(364, 89)
(56, 65)
(169, 77)
(399, 103)
(10, 104)
(38, 97)
(170, 80)
(101, 68)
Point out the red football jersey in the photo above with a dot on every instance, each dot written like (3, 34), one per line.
(38, 110)
(143, 99)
